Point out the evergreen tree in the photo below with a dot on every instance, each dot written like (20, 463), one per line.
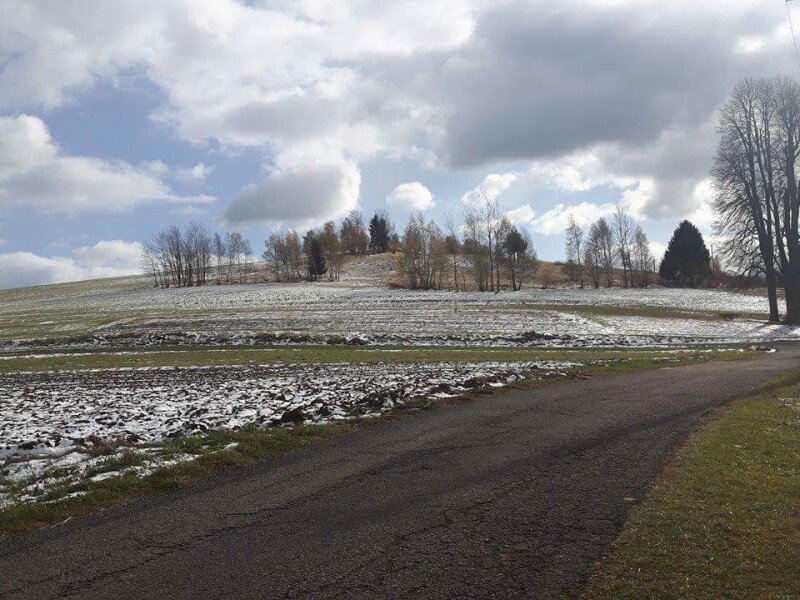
(315, 256)
(687, 260)
(380, 233)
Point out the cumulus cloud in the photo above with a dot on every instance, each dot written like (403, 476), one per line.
(573, 75)
(302, 195)
(590, 92)
(197, 173)
(277, 73)
(413, 196)
(35, 174)
(107, 258)
(491, 188)
(556, 220)
(579, 172)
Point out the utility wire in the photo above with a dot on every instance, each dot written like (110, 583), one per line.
(794, 38)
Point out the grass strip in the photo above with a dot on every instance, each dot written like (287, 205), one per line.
(307, 354)
(724, 519)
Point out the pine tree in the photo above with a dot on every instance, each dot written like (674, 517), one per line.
(315, 256)
(687, 260)
(380, 233)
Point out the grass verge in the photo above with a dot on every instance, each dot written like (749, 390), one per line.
(724, 520)
(308, 354)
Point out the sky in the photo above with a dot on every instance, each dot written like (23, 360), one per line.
(119, 117)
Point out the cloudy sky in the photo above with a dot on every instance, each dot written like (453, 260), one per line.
(117, 117)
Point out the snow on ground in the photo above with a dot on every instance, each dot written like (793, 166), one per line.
(36, 480)
(266, 313)
(330, 295)
(50, 413)
(50, 422)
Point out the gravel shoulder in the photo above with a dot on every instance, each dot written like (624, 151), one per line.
(514, 495)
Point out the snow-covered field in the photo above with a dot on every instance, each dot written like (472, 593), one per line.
(330, 295)
(251, 314)
(51, 420)
(49, 413)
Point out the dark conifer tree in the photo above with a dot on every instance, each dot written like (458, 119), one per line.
(315, 256)
(380, 232)
(687, 260)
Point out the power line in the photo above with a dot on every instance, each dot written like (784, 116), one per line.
(794, 38)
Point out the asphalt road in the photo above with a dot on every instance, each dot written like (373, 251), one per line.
(515, 495)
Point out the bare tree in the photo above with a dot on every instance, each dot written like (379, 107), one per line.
(642, 263)
(574, 252)
(332, 250)
(236, 246)
(150, 262)
(750, 180)
(218, 246)
(475, 248)
(601, 247)
(275, 255)
(196, 254)
(247, 256)
(591, 262)
(490, 211)
(176, 257)
(453, 247)
(353, 234)
(423, 254)
(623, 238)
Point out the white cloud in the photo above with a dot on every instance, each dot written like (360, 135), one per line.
(578, 172)
(491, 188)
(112, 258)
(657, 249)
(556, 220)
(109, 258)
(636, 200)
(197, 173)
(33, 173)
(702, 198)
(303, 195)
(522, 215)
(278, 73)
(413, 196)
(468, 83)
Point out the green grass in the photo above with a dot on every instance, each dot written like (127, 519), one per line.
(724, 520)
(307, 354)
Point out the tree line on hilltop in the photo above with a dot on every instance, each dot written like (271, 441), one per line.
(487, 253)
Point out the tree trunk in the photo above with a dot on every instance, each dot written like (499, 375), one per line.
(792, 289)
(772, 295)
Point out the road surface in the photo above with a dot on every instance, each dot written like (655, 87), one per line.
(511, 496)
